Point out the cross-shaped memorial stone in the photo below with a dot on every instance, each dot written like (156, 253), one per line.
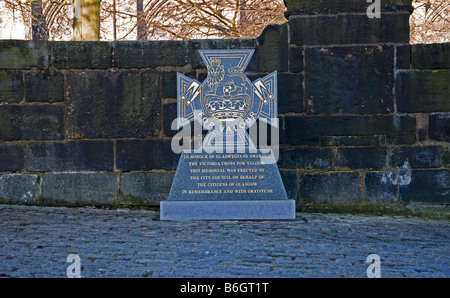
(228, 177)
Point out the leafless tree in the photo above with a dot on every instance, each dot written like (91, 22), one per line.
(49, 19)
(191, 19)
(149, 19)
(430, 21)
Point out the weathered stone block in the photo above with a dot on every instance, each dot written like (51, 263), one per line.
(11, 157)
(352, 140)
(305, 158)
(335, 187)
(150, 54)
(44, 87)
(23, 54)
(219, 44)
(71, 156)
(403, 56)
(423, 91)
(295, 59)
(427, 186)
(135, 155)
(11, 86)
(31, 122)
(380, 187)
(169, 84)
(112, 104)
(169, 115)
(416, 157)
(446, 157)
(272, 51)
(20, 189)
(349, 29)
(349, 80)
(306, 130)
(145, 188)
(290, 93)
(80, 54)
(361, 157)
(430, 56)
(422, 134)
(296, 7)
(79, 189)
(290, 184)
(439, 127)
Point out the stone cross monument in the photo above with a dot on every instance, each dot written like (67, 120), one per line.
(228, 177)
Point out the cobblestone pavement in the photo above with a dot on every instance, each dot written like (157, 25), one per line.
(36, 241)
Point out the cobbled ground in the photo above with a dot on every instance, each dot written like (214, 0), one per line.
(36, 241)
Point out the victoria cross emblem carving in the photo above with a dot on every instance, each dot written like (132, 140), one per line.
(227, 103)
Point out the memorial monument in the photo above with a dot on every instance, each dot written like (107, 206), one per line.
(228, 178)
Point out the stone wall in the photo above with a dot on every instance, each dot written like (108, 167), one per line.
(364, 116)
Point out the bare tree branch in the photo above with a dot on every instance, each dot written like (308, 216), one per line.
(160, 19)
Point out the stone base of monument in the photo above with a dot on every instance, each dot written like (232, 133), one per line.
(227, 186)
(228, 210)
